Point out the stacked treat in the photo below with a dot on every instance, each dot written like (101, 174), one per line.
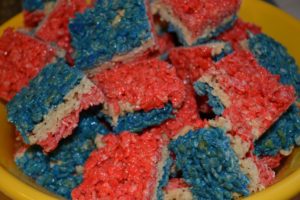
(162, 99)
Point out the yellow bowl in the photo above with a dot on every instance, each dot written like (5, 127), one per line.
(274, 22)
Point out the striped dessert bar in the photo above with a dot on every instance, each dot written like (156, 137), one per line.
(245, 97)
(197, 21)
(128, 166)
(61, 170)
(140, 94)
(48, 109)
(21, 59)
(114, 31)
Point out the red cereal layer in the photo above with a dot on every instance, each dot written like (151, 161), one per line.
(21, 59)
(186, 118)
(175, 183)
(124, 168)
(238, 33)
(257, 99)
(145, 85)
(266, 174)
(32, 19)
(69, 122)
(165, 42)
(272, 161)
(198, 15)
(55, 28)
(192, 62)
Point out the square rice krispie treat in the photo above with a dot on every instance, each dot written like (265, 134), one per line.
(128, 166)
(113, 31)
(21, 58)
(61, 170)
(48, 109)
(140, 94)
(246, 98)
(197, 21)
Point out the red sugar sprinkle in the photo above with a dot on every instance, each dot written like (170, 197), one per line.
(238, 33)
(192, 62)
(21, 58)
(69, 123)
(257, 99)
(55, 27)
(145, 85)
(198, 15)
(124, 168)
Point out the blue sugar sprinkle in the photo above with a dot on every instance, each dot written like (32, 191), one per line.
(138, 121)
(165, 178)
(97, 36)
(203, 89)
(57, 171)
(44, 93)
(209, 164)
(220, 29)
(285, 133)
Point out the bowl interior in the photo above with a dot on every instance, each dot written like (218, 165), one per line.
(274, 22)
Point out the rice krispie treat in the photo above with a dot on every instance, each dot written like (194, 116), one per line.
(192, 62)
(186, 118)
(55, 28)
(238, 33)
(113, 31)
(140, 94)
(285, 133)
(126, 166)
(209, 165)
(35, 11)
(61, 170)
(246, 98)
(48, 109)
(197, 21)
(21, 59)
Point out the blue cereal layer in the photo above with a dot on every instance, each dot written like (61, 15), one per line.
(33, 5)
(275, 58)
(225, 51)
(203, 89)
(111, 28)
(44, 93)
(214, 33)
(165, 178)
(283, 135)
(59, 171)
(138, 121)
(209, 165)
